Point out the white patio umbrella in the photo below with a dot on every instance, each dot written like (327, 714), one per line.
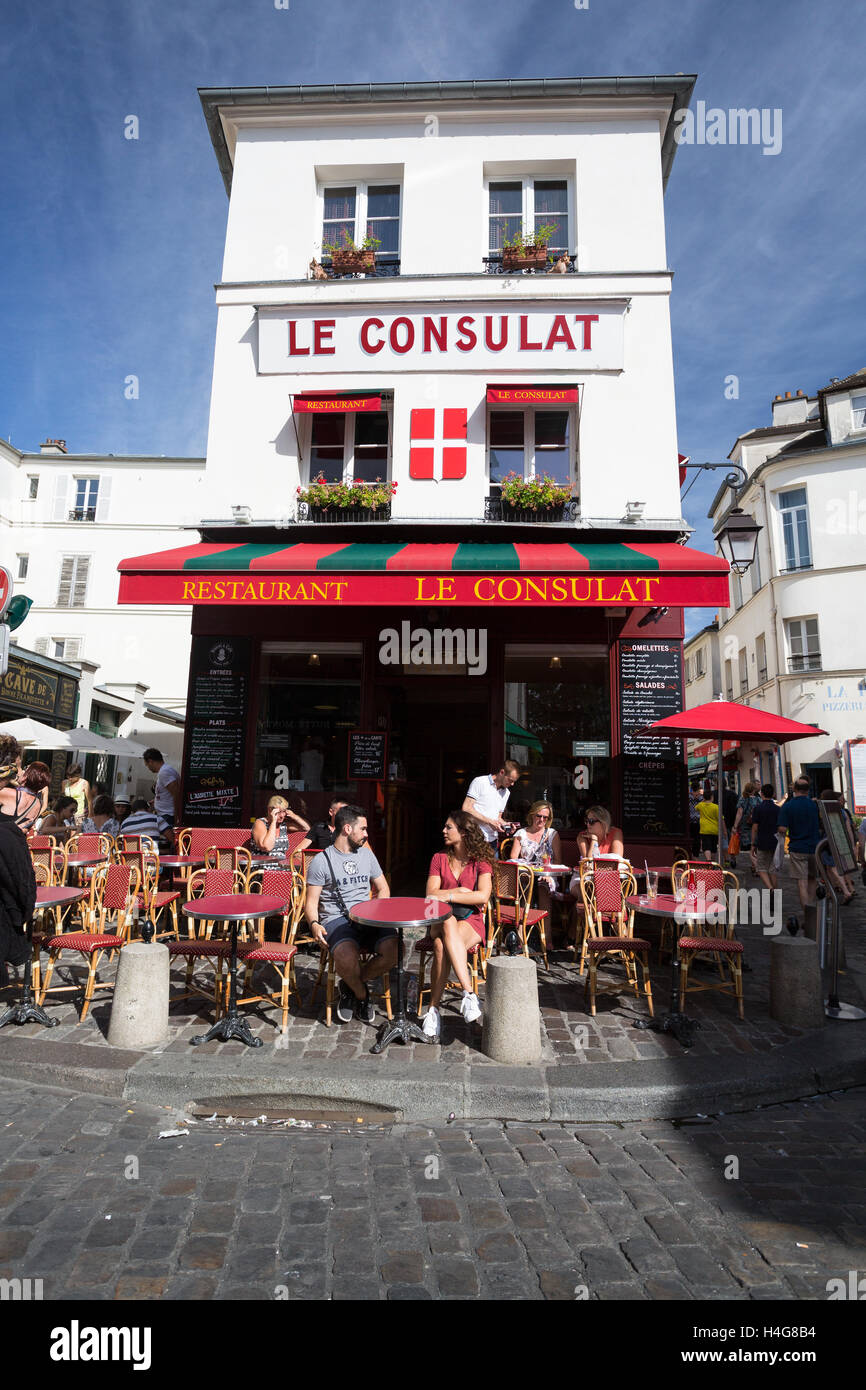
(35, 735)
(84, 741)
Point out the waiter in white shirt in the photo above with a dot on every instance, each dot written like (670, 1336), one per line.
(487, 797)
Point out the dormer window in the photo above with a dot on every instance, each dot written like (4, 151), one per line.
(858, 412)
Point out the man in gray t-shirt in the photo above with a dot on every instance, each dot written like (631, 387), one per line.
(347, 870)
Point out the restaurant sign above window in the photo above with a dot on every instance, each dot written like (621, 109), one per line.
(581, 334)
(532, 395)
(329, 402)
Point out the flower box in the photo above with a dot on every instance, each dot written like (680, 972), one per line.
(346, 261)
(524, 258)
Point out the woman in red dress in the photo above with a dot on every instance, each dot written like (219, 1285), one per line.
(461, 875)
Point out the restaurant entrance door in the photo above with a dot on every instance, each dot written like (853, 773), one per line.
(439, 740)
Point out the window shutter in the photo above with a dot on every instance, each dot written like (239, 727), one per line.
(79, 587)
(40, 646)
(103, 498)
(61, 491)
(71, 648)
(64, 591)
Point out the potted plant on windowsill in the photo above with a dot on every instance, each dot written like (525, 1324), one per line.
(527, 252)
(540, 497)
(325, 501)
(349, 259)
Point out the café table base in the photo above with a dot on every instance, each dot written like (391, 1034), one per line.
(27, 1010)
(400, 1028)
(680, 1025)
(231, 1028)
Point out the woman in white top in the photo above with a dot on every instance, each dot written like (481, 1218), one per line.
(535, 843)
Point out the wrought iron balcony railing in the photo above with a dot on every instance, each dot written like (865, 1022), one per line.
(809, 661)
(497, 509)
(493, 265)
(82, 514)
(386, 266)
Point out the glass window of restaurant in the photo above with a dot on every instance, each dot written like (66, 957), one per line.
(557, 697)
(531, 443)
(309, 699)
(351, 447)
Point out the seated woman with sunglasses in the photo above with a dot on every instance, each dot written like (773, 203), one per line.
(599, 837)
(534, 843)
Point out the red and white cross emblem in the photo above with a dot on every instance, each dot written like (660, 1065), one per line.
(449, 443)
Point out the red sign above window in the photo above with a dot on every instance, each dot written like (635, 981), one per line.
(532, 395)
(327, 403)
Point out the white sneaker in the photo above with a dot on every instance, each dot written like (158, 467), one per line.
(470, 1007)
(431, 1025)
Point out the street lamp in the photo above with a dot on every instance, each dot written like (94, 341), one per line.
(738, 539)
(738, 534)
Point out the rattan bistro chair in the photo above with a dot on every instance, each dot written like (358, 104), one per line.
(710, 883)
(511, 910)
(610, 927)
(116, 889)
(287, 884)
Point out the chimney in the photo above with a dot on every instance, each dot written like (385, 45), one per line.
(54, 446)
(790, 409)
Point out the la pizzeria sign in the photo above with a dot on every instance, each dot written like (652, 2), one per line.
(574, 333)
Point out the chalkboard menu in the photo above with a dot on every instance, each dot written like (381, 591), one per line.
(654, 790)
(368, 754)
(216, 733)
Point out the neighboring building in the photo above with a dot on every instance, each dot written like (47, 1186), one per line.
(792, 642)
(320, 635)
(65, 522)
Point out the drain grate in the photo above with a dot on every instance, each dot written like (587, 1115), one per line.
(264, 1112)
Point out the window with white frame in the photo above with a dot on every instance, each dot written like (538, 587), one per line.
(687, 670)
(761, 650)
(700, 668)
(531, 443)
(858, 412)
(32, 486)
(85, 498)
(525, 205)
(355, 211)
(60, 648)
(794, 512)
(804, 647)
(353, 447)
(729, 680)
(23, 564)
(74, 573)
(743, 662)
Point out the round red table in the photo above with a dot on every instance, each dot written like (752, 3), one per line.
(179, 861)
(233, 908)
(26, 1011)
(400, 913)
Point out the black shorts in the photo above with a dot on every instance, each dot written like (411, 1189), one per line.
(710, 843)
(341, 929)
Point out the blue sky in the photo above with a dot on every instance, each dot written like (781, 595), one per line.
(110, 247)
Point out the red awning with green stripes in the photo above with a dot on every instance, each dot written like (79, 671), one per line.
(475, 573)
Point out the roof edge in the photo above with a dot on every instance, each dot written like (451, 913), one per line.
(678, 87)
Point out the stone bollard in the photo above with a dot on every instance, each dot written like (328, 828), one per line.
(512, 1021)
(796, 991)
(139, 1009)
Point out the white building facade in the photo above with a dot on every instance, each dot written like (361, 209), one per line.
(449, 381)
(792, 642)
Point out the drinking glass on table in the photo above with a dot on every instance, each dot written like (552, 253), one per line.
(652, 883)
(680, 893)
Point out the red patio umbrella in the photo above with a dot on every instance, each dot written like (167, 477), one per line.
(721, 719)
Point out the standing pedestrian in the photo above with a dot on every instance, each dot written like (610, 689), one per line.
(799, 817)
(78, 788)
(765, 820)
(166, 792)
(486, 800)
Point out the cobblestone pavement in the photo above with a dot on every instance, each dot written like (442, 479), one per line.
(98, 1206)
(569, 1034)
